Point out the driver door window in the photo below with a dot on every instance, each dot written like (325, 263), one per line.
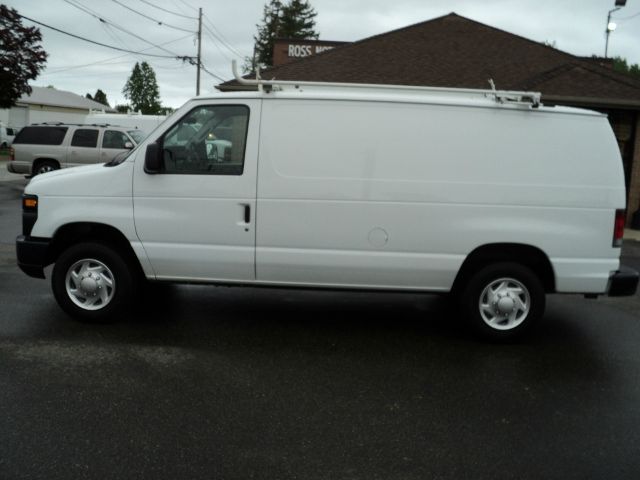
(209, 140)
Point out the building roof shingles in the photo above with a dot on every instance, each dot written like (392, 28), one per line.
(61, 98)
(454, 51)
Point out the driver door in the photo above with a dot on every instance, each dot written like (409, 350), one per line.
(196, 218)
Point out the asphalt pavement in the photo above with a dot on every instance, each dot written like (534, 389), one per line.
(230, 383)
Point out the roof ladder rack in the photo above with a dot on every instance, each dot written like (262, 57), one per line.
(500, 96)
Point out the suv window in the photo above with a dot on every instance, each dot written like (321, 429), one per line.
(41, 135)
(85, 137)
(137, 135)
(114, 139)
(208, 140)
(10, 131)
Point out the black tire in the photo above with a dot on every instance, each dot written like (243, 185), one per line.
(111, 301)
(44, 167)
(503, 301)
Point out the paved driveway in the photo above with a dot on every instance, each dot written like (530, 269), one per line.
(204, 382)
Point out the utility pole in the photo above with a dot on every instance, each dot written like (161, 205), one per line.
(199, 50)
(611, 26)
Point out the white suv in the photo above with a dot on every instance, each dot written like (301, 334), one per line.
(40, 148)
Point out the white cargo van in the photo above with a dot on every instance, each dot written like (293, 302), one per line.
(482, 193)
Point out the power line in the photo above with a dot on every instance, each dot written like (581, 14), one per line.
(221, 38)
(215, 43)
(106, 61)
(111, 32)
(168, 11)
(97, 16)
(177, 57)
(217, 39)
(191, 7)
(212, 74)
(152, 19)
(627, 18)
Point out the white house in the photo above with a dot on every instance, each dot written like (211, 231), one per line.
(50, 105)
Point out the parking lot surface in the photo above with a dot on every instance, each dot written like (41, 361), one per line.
(206, 382)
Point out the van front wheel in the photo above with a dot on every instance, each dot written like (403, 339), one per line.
(503, 300)
(91, 282)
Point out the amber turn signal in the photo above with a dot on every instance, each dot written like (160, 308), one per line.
(29, 203)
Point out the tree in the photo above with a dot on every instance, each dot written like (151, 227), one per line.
(142, 90)
(298, 20)
(295, 19)
(22, 57)
(620, 64)
(267, 33)
(101, 97)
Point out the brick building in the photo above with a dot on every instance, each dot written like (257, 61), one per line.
(289, 50)
(454, 51)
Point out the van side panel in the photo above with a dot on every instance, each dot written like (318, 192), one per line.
(389, 195)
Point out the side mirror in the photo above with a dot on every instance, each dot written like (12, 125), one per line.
(128, 145)
(152, 159)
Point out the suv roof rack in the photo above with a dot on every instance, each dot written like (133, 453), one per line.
(80, 124)
(500, 96)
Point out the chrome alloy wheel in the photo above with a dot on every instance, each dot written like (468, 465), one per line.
(504, 303)
(90, 284)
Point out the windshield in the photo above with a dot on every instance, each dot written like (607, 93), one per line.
(137, 135)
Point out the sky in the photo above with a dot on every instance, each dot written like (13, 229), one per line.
(575, 26)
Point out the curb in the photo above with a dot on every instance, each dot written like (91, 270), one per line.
(631, 235)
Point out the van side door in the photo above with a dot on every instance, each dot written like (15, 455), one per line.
(83, 148)
(195, 219)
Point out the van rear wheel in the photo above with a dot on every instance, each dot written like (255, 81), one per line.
(502, 301)
(92, 283)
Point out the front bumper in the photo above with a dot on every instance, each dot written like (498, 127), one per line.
(32, 253)
(624, 282)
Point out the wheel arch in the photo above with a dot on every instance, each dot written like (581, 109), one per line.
(527, 255)
(38, 161)
(74, 233)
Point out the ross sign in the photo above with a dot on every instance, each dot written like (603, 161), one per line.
(299, 51)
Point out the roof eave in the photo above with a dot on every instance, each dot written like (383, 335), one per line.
(620, 103)
(58, 105)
